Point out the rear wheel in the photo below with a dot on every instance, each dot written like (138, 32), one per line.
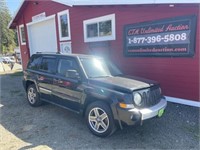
(99, 119)
(33, 96)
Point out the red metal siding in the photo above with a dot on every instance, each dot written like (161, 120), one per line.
(50, 8)
(179, 77)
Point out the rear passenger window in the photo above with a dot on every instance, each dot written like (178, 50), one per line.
(48, 65)
(34, 62)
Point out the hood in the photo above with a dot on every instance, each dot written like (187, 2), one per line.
(122, 83)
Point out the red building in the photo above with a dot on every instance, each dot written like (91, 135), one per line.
(151, 39)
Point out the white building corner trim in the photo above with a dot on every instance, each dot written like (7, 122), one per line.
(183, 101)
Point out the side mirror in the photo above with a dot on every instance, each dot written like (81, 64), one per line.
(72, 74)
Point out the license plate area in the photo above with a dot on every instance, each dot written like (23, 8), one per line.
(161, 112)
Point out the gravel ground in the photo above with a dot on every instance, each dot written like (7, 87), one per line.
(50, 127)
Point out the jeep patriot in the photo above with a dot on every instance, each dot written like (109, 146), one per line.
(94, 88)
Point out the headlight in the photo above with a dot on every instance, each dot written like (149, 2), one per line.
(137, 99)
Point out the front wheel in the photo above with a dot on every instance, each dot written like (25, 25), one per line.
(33, 96)
(99, 119)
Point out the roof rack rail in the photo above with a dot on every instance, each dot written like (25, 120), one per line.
(48, 53)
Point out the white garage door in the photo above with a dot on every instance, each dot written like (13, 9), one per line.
(42, 36)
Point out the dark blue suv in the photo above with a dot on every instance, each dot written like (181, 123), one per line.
(93, 88)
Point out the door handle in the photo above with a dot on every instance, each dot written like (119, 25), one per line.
(60, 81)
(57, 81)
(40, 78)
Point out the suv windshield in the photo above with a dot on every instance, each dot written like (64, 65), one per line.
(98, 67)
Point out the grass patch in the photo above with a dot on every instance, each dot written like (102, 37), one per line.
(15, 74)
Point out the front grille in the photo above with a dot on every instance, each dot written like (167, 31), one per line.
(150, 97)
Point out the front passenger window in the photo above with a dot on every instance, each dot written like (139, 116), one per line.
(64, 65)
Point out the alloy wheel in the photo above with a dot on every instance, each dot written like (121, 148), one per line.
(98, 120)
(32, 95)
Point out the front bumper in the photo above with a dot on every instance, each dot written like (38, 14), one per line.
(135, 115)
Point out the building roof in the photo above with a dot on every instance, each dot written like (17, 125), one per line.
(123, 2)
(71, 3)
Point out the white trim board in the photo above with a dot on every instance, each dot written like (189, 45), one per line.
(65, 12)
(39, 21)
(182, 101)
(18, 38)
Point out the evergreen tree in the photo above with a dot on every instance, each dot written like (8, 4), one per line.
(7, 36)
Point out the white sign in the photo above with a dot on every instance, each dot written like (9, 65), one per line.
(39, 17)
(65, 47)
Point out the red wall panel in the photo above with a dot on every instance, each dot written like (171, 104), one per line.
(50, 8)
(179, 77)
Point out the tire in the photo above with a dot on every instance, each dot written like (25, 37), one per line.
(33, 96)
(99, 119)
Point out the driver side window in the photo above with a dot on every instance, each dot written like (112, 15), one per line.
(65, 65)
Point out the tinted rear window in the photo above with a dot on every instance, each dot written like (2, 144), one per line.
(48, 65)
(34, 62)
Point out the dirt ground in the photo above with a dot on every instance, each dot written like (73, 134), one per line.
(50, 127)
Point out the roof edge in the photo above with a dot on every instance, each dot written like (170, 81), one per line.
(64, 2)
(16, 12)
(124, 2)
(72, 3)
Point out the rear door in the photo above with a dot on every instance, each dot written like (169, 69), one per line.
(66, 91)
(45, 76)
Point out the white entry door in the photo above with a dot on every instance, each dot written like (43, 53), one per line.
(42, 36)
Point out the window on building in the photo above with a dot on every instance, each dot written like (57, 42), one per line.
(22, 34)
(99, 29)
(64, 25)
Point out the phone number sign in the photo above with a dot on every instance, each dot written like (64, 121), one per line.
(172, 37)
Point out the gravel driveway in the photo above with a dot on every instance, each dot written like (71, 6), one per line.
(50, 127)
